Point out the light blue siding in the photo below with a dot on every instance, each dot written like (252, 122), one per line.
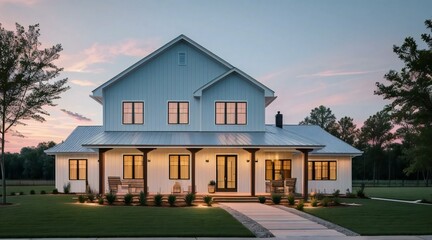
(158, 81)
(234, 88)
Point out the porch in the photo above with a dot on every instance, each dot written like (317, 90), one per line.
(238, 172)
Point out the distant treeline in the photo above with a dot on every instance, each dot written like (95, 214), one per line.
(30, 163)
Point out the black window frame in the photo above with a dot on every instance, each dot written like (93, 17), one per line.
(77, 169)
(312, 171)
(179, 166)
(235, 114)
(178, 112)
(133, 112)
(133, 165)
(273, 173)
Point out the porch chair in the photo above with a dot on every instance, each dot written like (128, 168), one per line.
(116, 185)
(176, 188)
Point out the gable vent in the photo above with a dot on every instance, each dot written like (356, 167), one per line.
(182, 58)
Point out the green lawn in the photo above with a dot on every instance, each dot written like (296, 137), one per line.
(403, 193)
(60, 216)
(375, 217)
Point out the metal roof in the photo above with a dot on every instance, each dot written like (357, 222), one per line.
(85, 138)
(333, 145)
(73, 144)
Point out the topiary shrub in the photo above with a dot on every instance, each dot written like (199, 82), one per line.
(208, 200)
(43, 192)
(32, 192)
(100, 200)
(319, 196)
(91, 196)
(276, 198)
(314, 203)
(171, 200)
(67, 188)
(158, 199)
(128, 199)
(336, 201)
(21, 193)
(189, 199)
(361, 192)
(12, 193)
(325, 201)
(291, 199)
(262, 199)
(336, 193)
(142, 198)
(81, 198)
(300, 205)
(55, 191)
(110, 197)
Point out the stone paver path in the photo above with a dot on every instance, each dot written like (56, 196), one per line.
(281, 223)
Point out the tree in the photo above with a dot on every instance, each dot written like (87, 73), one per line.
(323, 117)
(410, 91)
(376, 135)
(347, 130)
(26, 81)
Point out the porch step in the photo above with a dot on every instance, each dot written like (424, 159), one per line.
(235, 199)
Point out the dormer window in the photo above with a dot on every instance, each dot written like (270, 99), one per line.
(133, 113)
(182, 58)
(231, 113)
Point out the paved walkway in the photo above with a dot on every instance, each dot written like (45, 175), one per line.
(286, 225)
(281, 223)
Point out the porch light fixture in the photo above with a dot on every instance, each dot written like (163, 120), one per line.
(207, 160)
(256, 160)
(248, 160)
(148, 160)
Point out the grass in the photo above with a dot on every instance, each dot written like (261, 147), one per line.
(60, 216)
(376, 217)
(402, 193)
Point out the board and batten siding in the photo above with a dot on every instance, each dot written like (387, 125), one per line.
(158, 81)
(77, 186)
(234, 88)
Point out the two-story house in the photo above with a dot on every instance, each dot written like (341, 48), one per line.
(184, 116)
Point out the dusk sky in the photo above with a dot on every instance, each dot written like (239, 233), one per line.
(310, 53)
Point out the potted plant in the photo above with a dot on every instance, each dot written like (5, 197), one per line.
(212, 186)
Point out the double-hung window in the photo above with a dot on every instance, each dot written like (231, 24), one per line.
(322, 170)
(178, 112)
(277, 169)
(133, 166)
(179, 166)
(133, 113)
(77, 169)
(231, 113)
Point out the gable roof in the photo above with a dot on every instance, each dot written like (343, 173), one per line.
(268, 93)
(97, 93)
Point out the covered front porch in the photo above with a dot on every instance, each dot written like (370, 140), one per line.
(236, 171)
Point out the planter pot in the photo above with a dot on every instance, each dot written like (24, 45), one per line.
(211, 188)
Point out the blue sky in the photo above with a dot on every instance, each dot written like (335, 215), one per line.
(310, 53)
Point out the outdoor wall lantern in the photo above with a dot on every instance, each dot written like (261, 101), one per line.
(207, 160)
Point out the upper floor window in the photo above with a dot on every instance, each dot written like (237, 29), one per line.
(322, 170)
(77, 169)
(277, 169)
(133, 166)
(133, 113)
(178, 112)
(233, 113)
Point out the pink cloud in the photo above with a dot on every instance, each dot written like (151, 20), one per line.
(335, 73)
(83, 83)
(104, 53)
(19, 2)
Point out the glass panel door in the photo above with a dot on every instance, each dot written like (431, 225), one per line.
(226, 173)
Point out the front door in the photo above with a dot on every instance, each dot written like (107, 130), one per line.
(226, 173)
